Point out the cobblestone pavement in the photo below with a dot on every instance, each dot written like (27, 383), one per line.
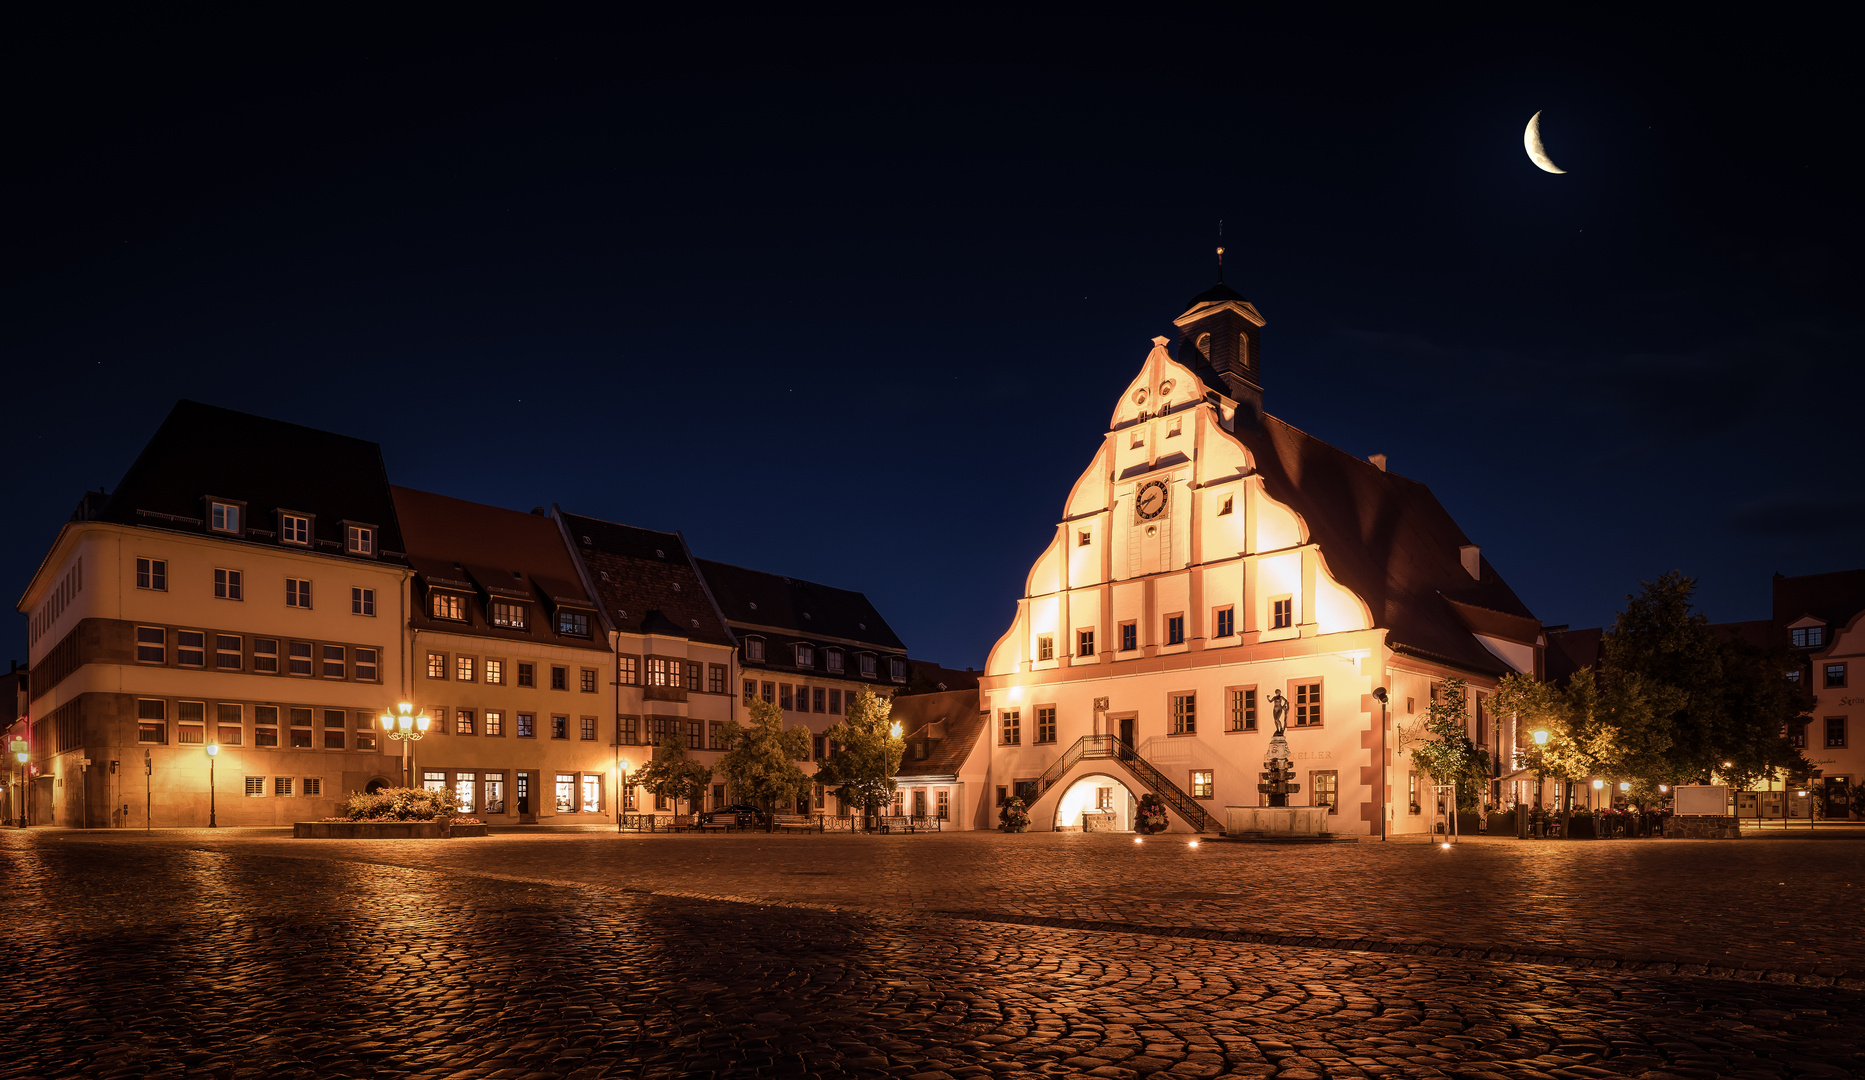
(226, 958)
(1778, 903)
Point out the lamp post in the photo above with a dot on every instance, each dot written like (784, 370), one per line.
(22, 755)
(405, 727)
(213, 751)
(1540, 735)
(621, 790)
(1385, 811)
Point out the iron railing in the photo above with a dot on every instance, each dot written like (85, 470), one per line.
(1111, 746)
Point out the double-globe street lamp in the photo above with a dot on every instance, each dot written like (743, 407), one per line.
(405, 727)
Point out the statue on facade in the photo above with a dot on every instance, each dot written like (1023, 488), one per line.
(1278, 766)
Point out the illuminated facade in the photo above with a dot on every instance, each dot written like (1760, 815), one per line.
(1211, 562)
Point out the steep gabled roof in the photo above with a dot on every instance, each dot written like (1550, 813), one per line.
(204, 450)
(637, 572)
(1834, 598)
(1571, 650)
(948, 722)
(805, 608)
(1388, 539)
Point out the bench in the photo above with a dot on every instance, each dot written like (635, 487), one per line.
(716, 822)
(795, 823)
(684, 822)
(903, 824)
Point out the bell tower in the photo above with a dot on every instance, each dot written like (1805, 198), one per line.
(1220, 334)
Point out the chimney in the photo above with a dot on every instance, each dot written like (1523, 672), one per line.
(1378, 460)
(1472, 556)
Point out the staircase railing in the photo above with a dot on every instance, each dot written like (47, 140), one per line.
(1112, 746)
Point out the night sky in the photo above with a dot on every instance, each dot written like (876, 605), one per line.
(853, 301)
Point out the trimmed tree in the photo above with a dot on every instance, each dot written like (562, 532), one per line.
(1444, 749)
(672, 775)
(760, 761)
(868, 748)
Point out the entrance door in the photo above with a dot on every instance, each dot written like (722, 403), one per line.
(1126, 736)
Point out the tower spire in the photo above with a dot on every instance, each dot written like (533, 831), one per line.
(1220, 249)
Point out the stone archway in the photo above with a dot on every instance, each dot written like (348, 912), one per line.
(1087, 794)
(376, 785)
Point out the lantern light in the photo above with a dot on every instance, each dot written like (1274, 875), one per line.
(1541, 736)
(1597, 784)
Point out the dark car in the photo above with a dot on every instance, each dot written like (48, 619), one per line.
(744, 815)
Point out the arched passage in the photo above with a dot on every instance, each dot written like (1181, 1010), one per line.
(376, 785)
(1098, 794)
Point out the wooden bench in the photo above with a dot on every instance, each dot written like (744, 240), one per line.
(716, 822)
(795, 823)
(891, 824)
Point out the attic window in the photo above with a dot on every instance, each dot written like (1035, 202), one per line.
(696, 624)
(754, 650)
(585, 541)
(1084, 538)
(659, 554)
(1225, 509)
(676, 586)
(605, 575)
(1809, 637)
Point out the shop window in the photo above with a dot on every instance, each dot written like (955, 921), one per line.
(566, 793)
(1325, 786)
(1202, 784)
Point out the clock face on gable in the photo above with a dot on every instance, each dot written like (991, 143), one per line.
(1151, 501)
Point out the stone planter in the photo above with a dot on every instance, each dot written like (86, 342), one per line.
(381, 830)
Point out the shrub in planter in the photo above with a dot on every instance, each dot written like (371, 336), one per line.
(1013, 816)
(1151, 817)
(401, 804)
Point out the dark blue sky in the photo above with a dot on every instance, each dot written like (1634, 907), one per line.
(854, 303)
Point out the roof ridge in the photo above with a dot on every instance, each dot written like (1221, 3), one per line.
(784, 577)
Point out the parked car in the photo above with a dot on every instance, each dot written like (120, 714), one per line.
(744, 815)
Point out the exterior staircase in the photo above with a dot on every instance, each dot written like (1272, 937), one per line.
(1090, 747)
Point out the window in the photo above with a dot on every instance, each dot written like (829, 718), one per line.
(265, 725)
(300, 728)
(191, 723)
(1175, 630)
(495, 722)
(1243, 708)
(945, 805)
(1835, 733)
(1202, 786)
(463, 722)
(1412, 792)
(559, 678)
(1083, 537)
(1805, 637)
(436, 665)
(1184, 714)
(365, 733)
(224, 517)
(1282, 613)
(297, 593)
(628, 671)
(1326, 789)
(360, 540)
(362, 601)
(1225, 509)
(299, 658)
(226, 652)
(1084, 643)
(695, 735)
(495, 792)
(566, 793)
(366, 669)
(448, 607)
(152, 574)
(229, 585)
(751, 691)
(1308, 706)
(312, 787)
(463, 668)
(228, 728)
(897, 669)
(695, 674)
(1011, 727)
(770, 693)
(463, 792)
(152, 721)
(589, 680)
(335, 665)
(265, 655)
(806, 656)
(754, 650)
(281, 786)
(559, 727)
(835, 702)
(508, 615)
(495, 672)
(255, 787)
(1046, 647)
(588, 726)
(151, 645)
(868, 668)
(1835, 675)
(433, 780)
(527, 675)
(715, 738)
(336, 723)
(592, 793)
(818, 699)
(1129, 636)
(627, 730)
(294, 529)
(1226, 621)
(832, 661)
(1045, 723)
(573, 624)
(190, 648)
(783, 697)
(1793, 678)
(715, 678)
(527, 725)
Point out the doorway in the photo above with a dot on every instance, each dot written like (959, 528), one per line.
(1126, 736)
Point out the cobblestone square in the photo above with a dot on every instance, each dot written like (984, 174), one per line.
(573, 954)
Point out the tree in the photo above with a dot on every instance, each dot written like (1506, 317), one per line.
(1444, 749)
(672, 775)
(868, 748)
(760, 761)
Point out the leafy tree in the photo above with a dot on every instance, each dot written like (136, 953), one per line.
(760, 761)
(1445, 751)
(672, 775)
(867, 755)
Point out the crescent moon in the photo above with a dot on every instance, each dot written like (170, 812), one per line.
(1531, 141)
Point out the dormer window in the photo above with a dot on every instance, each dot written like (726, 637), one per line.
(509, 615)
(806, 656)
(294, 529)
(448, 606)
(867, 665)
(832, 659)
(224, 517)
(754, 650)
(360, 540)
(573, 624)
(1809, 637)
(897, 669)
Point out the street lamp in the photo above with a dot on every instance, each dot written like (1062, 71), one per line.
(213, 751)
(22, 755)
(405, 727)
(1385, 811)
(1540, 735)
(621, 791)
